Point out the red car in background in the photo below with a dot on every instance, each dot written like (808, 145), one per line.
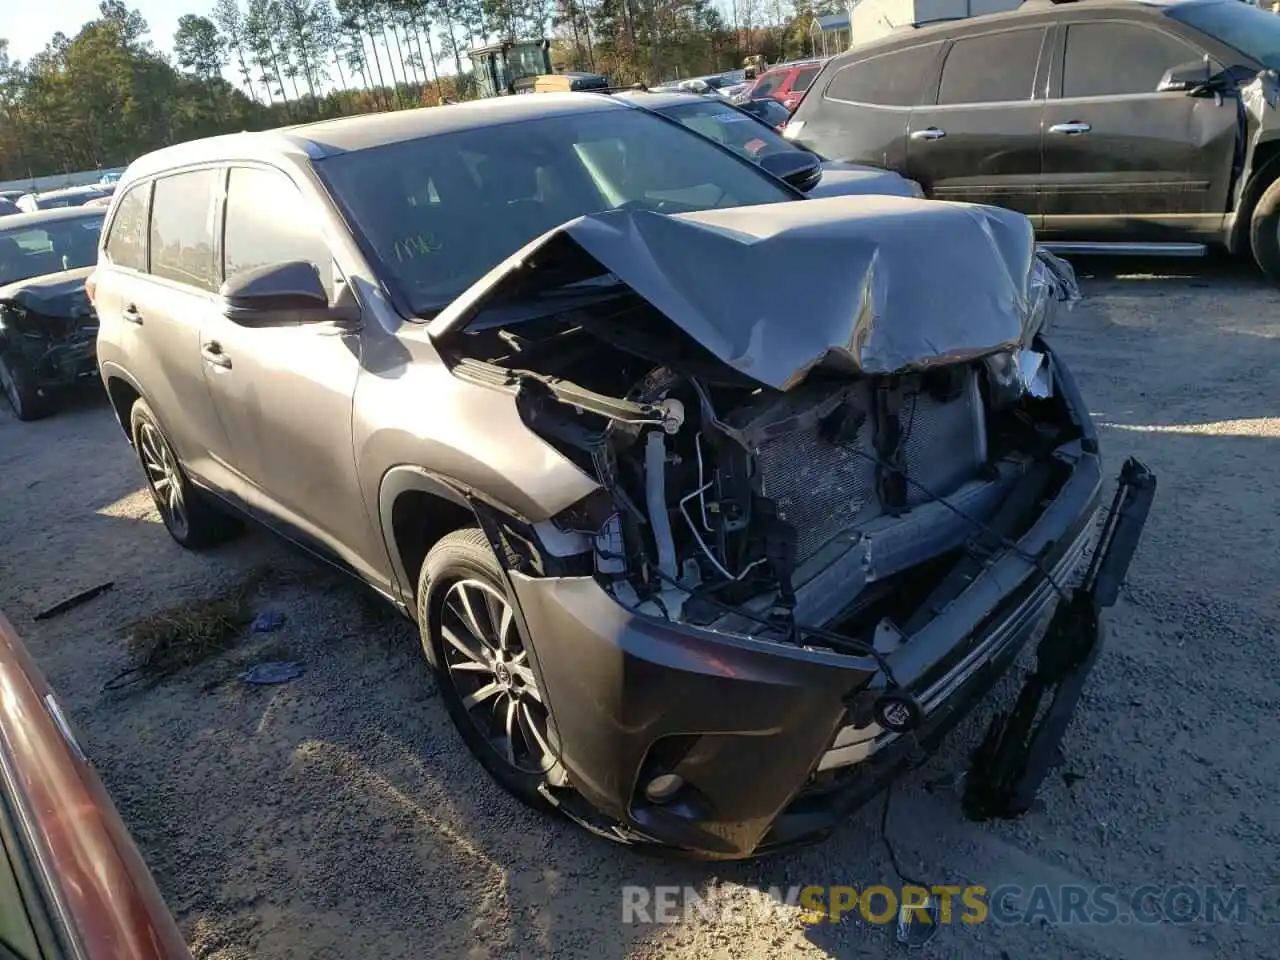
(786, 82)
(72, 883)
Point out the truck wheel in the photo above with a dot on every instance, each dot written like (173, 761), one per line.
(188, 516)
(474, 643)
(28, 403)
(1264, 232)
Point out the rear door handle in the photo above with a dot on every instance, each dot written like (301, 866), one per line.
(212, 353)
(130, 314)
(928, 133)
(1070, 129)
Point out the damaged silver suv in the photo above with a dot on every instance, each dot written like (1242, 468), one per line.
(708, 500)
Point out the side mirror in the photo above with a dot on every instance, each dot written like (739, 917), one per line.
(279, 293)
(1185, 78)
(800, 168)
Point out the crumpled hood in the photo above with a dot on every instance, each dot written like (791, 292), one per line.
(54, 294)
(871, 284)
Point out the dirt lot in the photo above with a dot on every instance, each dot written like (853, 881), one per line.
(338, 816)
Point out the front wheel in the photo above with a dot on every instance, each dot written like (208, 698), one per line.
(1264, 232)
(28, 403)
(473, 640)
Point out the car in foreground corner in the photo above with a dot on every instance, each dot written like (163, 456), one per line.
(48, 330)
(699, 557)
(75, 884)
(742, 131)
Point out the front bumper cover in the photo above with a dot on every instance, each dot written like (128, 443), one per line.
(775, 743)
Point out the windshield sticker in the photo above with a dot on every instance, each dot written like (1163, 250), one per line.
(730, 117)
(418, 245)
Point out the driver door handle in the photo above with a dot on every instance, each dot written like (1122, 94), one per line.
(1070, 129)
(212, 353)
(928, 133)
(130, 314)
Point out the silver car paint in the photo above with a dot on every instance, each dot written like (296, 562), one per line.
(309, 422)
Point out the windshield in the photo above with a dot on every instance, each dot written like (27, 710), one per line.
(744, 135)
(39, 249)
(526, 60)
(438, 213)
(1242, 26)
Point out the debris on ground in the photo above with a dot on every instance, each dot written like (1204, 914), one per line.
(268, 621)
(169, 640)
(84, 596)
(273, 671)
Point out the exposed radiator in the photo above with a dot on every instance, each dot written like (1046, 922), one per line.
(824, 488)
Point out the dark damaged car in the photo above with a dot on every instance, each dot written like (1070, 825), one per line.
(47, 325)
(695, 555)
(1117, 126)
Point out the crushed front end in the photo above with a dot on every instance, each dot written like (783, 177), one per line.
(823, 525)
(48, 333)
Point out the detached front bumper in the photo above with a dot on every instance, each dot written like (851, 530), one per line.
(776, 744)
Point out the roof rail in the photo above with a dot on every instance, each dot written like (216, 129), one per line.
(629, 88)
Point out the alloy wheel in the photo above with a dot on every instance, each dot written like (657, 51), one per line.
(163, 477)
(489, 667)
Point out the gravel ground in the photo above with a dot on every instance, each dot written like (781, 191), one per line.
(338, 815)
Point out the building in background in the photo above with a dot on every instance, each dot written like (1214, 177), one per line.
(830, 35)
(871, 19)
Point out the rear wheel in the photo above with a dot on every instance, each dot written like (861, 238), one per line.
(188, 516)
(1264, 232)
(28, 402)
(473, 639)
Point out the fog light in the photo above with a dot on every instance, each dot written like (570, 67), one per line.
(663, 787)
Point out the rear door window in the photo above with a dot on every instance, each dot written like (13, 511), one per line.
(888, 80)
(182, 228)
(1108, 59)
(993, 68)
(126, 245)
(269, 221)
(804, 78)
(767, 85)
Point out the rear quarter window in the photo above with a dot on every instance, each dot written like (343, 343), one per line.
(804, 78)
(767, 85)
(126, 244)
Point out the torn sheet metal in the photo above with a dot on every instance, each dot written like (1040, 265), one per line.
(1261, 94)
(1257, 102)
(1033, 373)
(872, 285)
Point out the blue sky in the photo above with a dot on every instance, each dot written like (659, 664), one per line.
(28, 24)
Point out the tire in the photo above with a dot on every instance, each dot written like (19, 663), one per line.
(1264, 232)
(462, 607)
(187, 514)
(27, 402)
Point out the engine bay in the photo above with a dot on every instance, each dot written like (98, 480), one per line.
(731, 504)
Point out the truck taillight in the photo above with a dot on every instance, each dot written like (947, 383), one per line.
(91, 286)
